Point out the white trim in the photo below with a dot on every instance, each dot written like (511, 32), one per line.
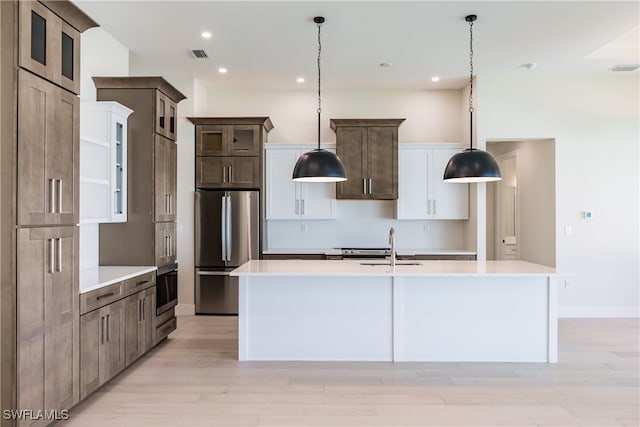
(629, 311)
(552, 334)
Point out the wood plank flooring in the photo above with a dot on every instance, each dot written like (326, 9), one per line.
(194, 379)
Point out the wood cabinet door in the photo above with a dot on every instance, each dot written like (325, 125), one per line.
(49, 46)
(172, 116)
(243, 140)
(165, 172)
(211, 140)
(48, 317)
(114, 336)
(211, 172)
(48, 153)
(91, 342)
(160, 114)
(243, 172)
(382, 162)
(148, 315)
(165, 243)
(350, 147)
(133, 331)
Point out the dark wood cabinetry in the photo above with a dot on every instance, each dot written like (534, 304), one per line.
(229, 151)
(148, 237)
(103, 346)
(139, 312)
(39, 210)
(47, 317)
(48, 153)
(49, 45)
(368, 149)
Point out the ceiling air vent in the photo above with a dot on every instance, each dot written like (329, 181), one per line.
(625, 67)
(199, 53)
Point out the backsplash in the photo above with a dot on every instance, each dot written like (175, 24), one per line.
(364, 224)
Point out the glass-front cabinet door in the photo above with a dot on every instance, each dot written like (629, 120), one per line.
(103, 162)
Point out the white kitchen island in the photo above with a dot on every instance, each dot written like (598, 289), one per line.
(491, 311)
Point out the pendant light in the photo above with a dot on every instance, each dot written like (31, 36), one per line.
(319, 165)
(471, 165)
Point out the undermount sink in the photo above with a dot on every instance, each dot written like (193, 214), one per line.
(388, 263)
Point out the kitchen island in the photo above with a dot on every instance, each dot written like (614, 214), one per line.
(489, 311)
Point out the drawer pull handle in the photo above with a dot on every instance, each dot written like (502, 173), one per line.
(142, 282)
(105, 295)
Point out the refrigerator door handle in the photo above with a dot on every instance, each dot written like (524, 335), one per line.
(229, 235)
(223, 224)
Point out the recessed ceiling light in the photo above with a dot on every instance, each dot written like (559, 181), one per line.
(222, 70)
(385, 65)
(435, 79)
(206, 35)
(300, 80)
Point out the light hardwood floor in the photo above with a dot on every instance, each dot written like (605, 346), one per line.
(194, 379)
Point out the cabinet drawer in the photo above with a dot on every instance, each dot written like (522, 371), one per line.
(165, 329)
(100, 297)
(139, 283)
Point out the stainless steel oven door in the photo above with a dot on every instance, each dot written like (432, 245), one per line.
(166, 291)
(216, 291)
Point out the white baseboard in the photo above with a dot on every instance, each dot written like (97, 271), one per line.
(630, 311)
(185, 309)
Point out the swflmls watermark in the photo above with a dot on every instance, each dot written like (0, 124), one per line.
(35, 414)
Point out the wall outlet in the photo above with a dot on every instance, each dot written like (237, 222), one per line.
(567, 230)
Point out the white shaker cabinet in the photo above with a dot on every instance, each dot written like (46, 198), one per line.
(422, 193)
(287, 199)
(103, 161)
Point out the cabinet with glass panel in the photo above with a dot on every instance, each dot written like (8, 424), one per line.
(103, 162)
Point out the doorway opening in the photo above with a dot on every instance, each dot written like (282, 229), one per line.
(521, 208)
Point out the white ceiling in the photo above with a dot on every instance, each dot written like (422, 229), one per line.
(268, 44)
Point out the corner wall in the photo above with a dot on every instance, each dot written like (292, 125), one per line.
(596, 125)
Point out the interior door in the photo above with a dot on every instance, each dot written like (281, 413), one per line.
(507, 209)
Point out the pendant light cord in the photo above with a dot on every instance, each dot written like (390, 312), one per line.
(319, 80)
(471, 84)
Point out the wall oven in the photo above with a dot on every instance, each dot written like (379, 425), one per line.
(167, 290)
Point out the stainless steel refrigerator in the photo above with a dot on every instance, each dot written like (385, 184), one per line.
(227, 233)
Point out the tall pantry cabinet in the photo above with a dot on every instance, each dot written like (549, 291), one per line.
(149, 235)
(39, 155)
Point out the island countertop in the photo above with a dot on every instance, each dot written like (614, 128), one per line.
(381, 268)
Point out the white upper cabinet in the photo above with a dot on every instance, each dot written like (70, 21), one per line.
(103, 161)
(287, 199)
(422, 193)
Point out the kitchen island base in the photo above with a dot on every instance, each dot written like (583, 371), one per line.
(410, 313)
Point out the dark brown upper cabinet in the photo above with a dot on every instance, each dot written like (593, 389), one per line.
(368, 149)
(50, 46)
(229, 151)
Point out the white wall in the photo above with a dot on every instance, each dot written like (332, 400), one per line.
(595, 125)
(100, 55)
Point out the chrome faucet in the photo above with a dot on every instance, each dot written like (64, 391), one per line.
(392, 242)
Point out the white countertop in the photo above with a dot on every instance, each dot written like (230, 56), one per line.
(424, 268)
(400, 252)
(95, 278)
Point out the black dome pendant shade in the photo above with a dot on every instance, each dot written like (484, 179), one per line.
(471, 165)
(319, 165)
